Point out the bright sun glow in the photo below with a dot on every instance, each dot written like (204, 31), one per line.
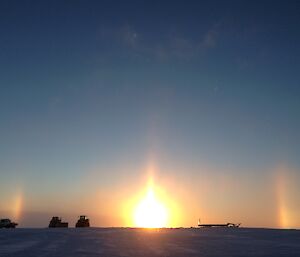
(150, 213)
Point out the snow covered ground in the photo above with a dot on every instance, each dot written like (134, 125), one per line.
(139, 242)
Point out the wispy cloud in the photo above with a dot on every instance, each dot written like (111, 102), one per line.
(187, 48)
(129, 36)
(124, 35)
(174, 45)
(209, 39)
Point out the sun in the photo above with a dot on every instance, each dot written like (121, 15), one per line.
(150, 213)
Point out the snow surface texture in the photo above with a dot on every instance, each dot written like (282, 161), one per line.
(140, 242)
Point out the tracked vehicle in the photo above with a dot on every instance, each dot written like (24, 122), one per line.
(83, 222)
(56, 222)
(6, 223)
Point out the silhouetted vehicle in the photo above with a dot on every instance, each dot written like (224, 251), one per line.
(226, 225)
(6, 223)
(83, 222)
(56, 222)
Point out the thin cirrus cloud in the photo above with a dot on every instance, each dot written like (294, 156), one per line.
(163, 47)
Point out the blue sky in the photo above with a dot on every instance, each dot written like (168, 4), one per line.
(116, 84)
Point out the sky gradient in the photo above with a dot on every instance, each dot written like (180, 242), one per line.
(99, 97)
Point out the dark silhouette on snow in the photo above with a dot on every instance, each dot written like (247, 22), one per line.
(227, 225)
(56, 222)
(83, 222)
(6, 223)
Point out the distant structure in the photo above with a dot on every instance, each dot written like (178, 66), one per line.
(56, 222)
(83, 222)
(226, 225)
(6, 223)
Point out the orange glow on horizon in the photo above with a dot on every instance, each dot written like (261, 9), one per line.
(150, 212)
(150, 206)
(283, 213)
(17, 206)
(286, 193)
